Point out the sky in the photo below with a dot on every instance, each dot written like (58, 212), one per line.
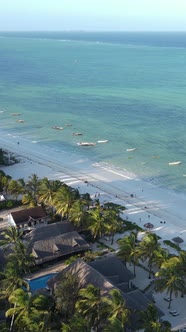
(93, 15)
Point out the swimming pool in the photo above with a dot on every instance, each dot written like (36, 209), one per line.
(40, 282)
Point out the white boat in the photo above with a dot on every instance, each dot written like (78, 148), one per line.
(86, 144)
(56, 127)
(77, 134)
(20, 121)
(103, 141)
(16, 114)
(131, 150)
(175, 163)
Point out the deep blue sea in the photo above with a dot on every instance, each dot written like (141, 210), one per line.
(128, 88)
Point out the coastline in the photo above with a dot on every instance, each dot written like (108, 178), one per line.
(149, 203)
(144, 201)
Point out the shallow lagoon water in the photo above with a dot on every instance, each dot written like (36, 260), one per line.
(129, 91)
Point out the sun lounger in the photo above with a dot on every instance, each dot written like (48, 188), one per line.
(167, 299)
(173, 311)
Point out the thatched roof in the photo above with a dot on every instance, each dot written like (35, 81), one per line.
(89, 275)
(49, 230)
(86, 274)
(113, 269)
(57, 246)
(23, 216)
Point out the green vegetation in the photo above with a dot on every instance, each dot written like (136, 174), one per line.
(7, 158)
(72, 308)
(171, 244)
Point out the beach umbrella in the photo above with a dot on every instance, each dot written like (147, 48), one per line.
(178, 239)
(148, 225)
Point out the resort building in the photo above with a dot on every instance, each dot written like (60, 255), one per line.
(55, 241)
(28, 218)
(107, 274)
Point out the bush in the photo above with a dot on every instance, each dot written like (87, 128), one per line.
(72, 259)
(130, 226)
(9, 204)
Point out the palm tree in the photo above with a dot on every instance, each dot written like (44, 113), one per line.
(92, 306)
(48, 189)
(169, 279)
(77, 214)
(4, 182)
(24, 259)
(12, 235)
(66, 294)
(14, 188)
(114, 324)
(22, 182)
(182, 261)
(19, 253)
(114, 223)
(128, 250)
(148, 316)
(29, 200)
(11, 279)
(30, 311)
(148, 249)
(160, 256)
(32, 187)
(76, 323)
(118, 310)
(97, 222)
(86, 199)
(64, 199)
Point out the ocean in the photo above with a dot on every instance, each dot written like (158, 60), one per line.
(127, 88)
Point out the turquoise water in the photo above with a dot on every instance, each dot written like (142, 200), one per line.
(40, 282)
(127, 88)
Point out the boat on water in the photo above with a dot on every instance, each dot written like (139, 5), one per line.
(103, 141)
(15, 114)
(175, 163)
(20, 121)
(57, 127)
(77, 134)
(86, 144)
(130, 150)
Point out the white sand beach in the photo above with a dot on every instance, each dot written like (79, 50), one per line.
(144, 201)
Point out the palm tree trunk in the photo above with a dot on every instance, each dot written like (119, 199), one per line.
(170, 301)
(12, 320)
(150, 270)
(134, 269)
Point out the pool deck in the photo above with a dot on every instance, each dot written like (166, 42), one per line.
(54, 268)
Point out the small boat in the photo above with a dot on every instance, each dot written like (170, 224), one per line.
(58, 128)
(130, 150)
(20, 121)
(86, 144)
(15, 114)
(103, 141)
(175, 163)
(68, 125)
(77, 134)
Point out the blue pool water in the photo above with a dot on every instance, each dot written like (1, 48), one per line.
(40, 282)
